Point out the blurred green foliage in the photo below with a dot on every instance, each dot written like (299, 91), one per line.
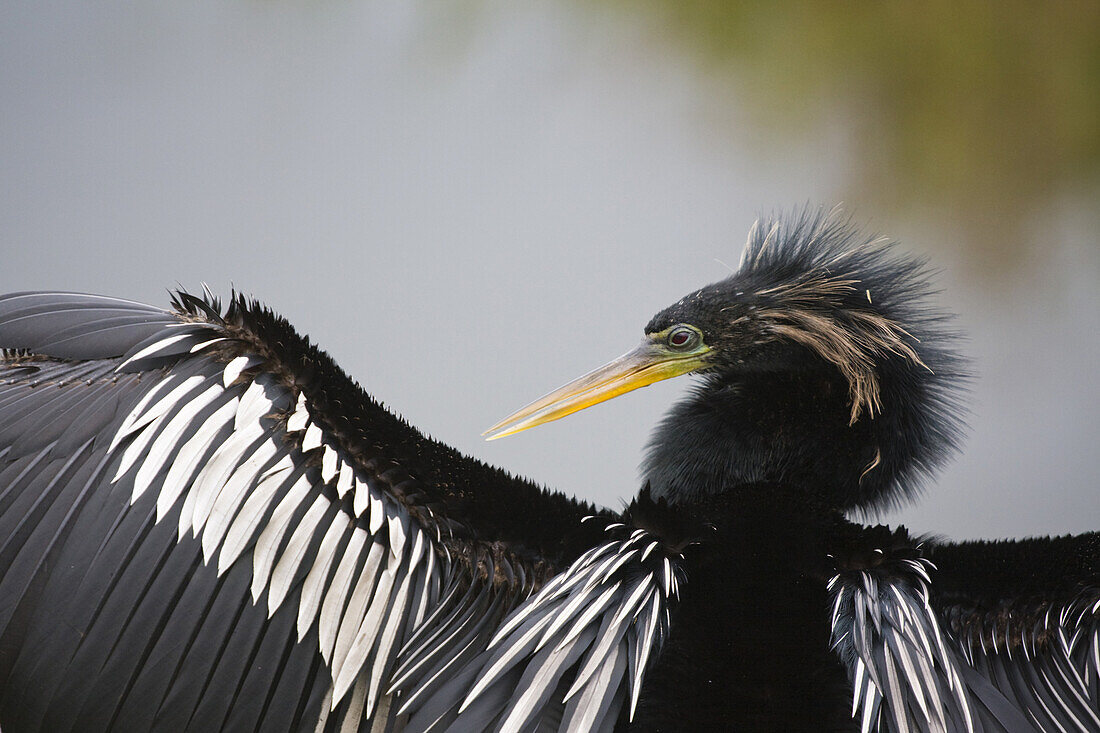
(986, 111)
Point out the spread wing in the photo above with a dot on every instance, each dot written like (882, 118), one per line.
(970, 637)
(205, 525)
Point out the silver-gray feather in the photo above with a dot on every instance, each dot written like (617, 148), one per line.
(215, 446)
(567, 659)
(910, 673)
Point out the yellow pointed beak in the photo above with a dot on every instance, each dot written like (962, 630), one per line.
(650, 362)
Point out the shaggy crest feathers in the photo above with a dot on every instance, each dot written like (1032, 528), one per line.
(853, 299)
(866, 307)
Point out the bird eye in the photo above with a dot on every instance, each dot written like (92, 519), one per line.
(683, 337)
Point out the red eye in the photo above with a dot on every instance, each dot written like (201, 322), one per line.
(683, 337)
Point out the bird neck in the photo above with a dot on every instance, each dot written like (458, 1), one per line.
(788, 428)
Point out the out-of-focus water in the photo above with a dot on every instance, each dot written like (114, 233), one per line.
(468, 204)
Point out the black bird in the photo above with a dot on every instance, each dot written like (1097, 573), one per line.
(206, 525)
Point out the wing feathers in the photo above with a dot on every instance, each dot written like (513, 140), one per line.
(314, 585)
(909, 674)
(137, 445)
(72, 325)
(245, 477)
(169, 440)
(191, 457)
(228, 499)
(336, 598)
(293, 553)
(578, 648)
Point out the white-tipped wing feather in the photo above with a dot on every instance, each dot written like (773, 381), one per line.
(911, 672)
(241, 496)
(210, 439)
(567, 659)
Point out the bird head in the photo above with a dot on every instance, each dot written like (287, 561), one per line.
(821, 359)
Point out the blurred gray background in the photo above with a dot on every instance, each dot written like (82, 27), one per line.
(469, 203)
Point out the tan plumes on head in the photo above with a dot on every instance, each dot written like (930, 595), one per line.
(852, 339)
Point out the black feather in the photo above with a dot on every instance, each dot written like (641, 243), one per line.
(771, 408)
(831, 385)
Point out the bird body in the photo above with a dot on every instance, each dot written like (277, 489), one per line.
(745, 648)
(206, 525)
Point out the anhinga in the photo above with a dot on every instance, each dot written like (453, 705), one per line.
(206, 525)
